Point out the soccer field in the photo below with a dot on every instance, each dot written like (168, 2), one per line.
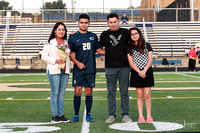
(175, 105)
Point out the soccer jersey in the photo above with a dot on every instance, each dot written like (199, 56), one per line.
(85, 46)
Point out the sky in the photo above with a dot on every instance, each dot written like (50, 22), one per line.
(36, 4)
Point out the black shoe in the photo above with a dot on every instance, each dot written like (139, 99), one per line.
(56, 119)
(64, 119)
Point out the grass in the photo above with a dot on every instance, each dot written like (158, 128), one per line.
(100, 85)
(183, 106)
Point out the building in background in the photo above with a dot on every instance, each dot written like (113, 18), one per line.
(165, 11)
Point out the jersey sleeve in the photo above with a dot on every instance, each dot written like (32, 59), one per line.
(70, 43)
(97, 42)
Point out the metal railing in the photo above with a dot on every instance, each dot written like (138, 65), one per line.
(99, 15)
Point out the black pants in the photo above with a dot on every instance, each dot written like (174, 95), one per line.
(192, 64)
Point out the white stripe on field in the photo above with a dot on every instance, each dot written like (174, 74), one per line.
(9, 98)
(188, 75)
(85, 125)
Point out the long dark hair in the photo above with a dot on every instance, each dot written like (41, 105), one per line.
(141, 41)
(52, 35)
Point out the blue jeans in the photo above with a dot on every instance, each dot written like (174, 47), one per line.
(112, 75)
(58, 84)
(124, 21)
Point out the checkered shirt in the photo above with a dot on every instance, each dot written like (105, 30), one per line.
(140, 60)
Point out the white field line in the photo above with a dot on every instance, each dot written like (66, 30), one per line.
(9, 98)
(85, 124)
(13, 74)
(3, 75)
(188, 75)
(99, 73)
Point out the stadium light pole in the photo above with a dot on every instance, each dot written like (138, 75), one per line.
(130, 3)
(73, 9)
(158, 5)
(131, 8)
(192, 9)
(42, 3)
(23, 5)
(103, 6)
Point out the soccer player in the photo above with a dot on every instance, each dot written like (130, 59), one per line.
(84, 45)
(115, 41)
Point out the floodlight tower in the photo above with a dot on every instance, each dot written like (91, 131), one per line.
(73, 9)
(130, 4)
(157, 8)
(158, 5)
(23, 5)
(103, 6)
(42, 3)
(192, 9)
(131, 8)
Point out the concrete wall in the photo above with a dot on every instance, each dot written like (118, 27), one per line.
(100, 63)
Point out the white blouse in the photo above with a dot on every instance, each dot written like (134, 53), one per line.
(50, 54)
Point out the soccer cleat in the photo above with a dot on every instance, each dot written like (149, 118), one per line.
(149, 119)
(89, 118)
(110, 119)
(56, 119)
(75, 118)
(64, 119)
(126, 119)
(141, 119)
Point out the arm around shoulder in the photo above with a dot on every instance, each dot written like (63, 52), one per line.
(101, 51)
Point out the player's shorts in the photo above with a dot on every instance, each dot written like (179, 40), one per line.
(86, 80)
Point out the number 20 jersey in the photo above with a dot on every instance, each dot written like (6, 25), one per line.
(85, 46)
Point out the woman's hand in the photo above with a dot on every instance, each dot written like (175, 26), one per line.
(59, 61)
(142, 74)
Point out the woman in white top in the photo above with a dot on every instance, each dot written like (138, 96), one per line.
(58, 78)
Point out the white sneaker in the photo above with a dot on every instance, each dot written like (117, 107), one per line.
(110, 119)
(126, 119)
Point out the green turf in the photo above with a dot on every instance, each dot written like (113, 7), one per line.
(181, 107)
(101, 85)
(183, 111)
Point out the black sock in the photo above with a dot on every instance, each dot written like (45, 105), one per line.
(88, 103)
(77, 104)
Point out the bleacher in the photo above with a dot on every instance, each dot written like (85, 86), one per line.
(25, 42)
(29, 40)
(175, 39)
(167, 40)
(151, 36)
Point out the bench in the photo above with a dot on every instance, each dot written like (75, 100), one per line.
(171, 62)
